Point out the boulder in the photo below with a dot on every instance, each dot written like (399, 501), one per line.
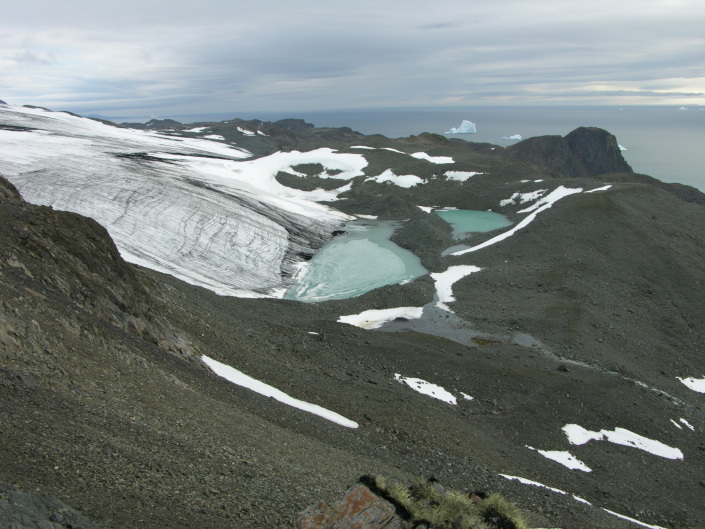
(359, 508)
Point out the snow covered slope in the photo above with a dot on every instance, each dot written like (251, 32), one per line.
(189, 207)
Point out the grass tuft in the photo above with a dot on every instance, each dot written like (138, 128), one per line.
(427, 501)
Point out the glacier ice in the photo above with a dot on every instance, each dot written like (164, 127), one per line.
(466, 127)
(199, 210)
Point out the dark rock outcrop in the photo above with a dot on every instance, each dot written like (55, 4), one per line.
(586, 151)
(19, 510)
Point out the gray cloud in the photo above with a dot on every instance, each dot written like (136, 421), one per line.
(208, 56)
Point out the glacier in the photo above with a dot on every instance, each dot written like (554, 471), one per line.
(466, 127)
(200, 210)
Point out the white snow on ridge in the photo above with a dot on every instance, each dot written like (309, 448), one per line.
(696, 384)
(375, 318)
(196, 129)
(433, 159)
(460, 176)
(578, 435)
(214, 137)
(522, 198)
(427, 388)
(540, 205)
(406, 181)
(238, 377)
(245, 131)
(603, 188)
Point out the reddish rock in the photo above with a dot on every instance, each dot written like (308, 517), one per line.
(359, 509)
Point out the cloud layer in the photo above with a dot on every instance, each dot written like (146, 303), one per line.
(133, 57)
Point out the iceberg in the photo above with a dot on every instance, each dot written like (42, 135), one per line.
(466, 127)
(512, 137)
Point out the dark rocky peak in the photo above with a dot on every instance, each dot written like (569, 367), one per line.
(428, 138)
(294, 125)
(586, 151)
(2, 102)
(159, 124)
(597, 150)
(154, 124)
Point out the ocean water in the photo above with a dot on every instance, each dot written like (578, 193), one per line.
(663, 142)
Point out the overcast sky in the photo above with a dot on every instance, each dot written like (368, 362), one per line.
(176, 57)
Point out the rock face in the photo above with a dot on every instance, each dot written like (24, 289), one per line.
(27, 511)
(358, 509)
(586, 151)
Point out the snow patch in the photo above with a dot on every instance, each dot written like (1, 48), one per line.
(406, 181)
(427, 388)
(375, 318)
(603, 188)
(446, 280)
(239, 378)
(214, 137)
(512, 137)
(522, 198)
(525, 481)
(426, 209)
(696, 384)
(245, 131)
(433, 159)
(578, 435)
(566, 459)
(688, 424)
(460, 176)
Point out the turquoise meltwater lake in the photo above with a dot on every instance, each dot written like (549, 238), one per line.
(360, 260)
(363, 258)
(465, 221)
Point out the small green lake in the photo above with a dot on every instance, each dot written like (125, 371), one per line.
(465, 221)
